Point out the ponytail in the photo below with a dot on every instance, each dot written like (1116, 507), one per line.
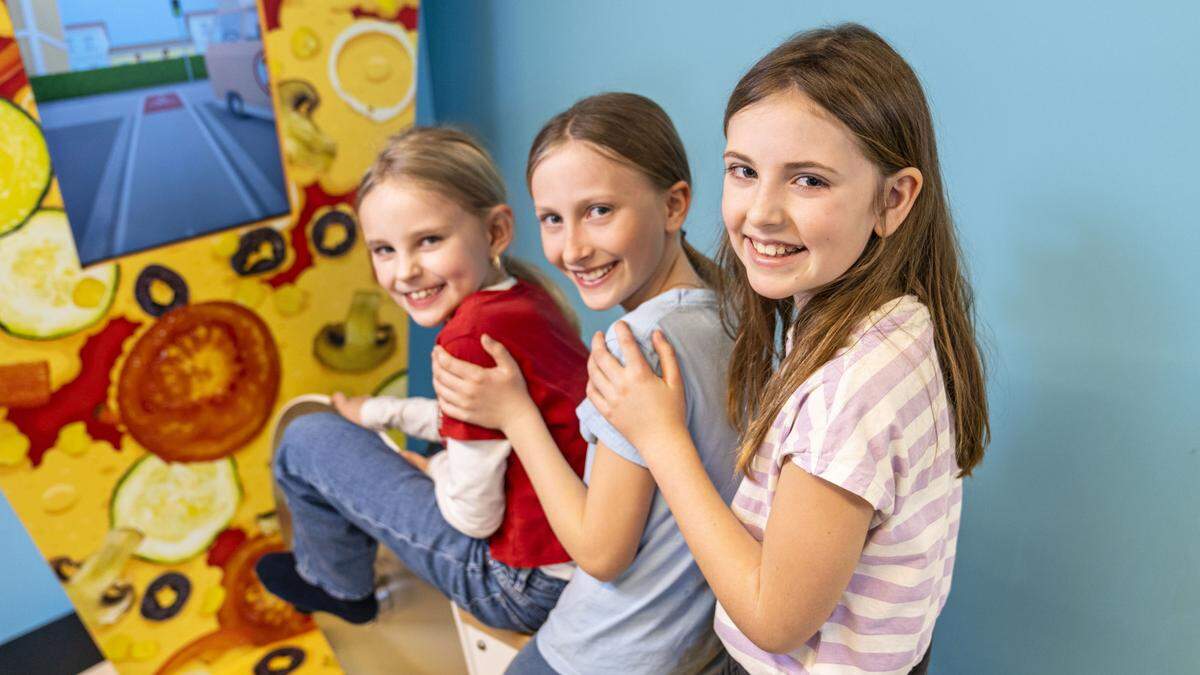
(530, 274)
(706, 268)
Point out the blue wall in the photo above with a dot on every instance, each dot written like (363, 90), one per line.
(1069, 143)
(29, 594)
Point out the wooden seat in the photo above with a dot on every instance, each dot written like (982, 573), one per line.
(487, 650)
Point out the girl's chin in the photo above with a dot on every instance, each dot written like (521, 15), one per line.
(776, 291)
(426, 322)
(598, 302)
(427, 317)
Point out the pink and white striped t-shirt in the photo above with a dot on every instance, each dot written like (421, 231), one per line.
(874, 421)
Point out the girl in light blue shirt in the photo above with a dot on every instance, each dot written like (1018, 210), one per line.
(611, 184)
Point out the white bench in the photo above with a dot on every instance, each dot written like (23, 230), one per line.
(487, 650)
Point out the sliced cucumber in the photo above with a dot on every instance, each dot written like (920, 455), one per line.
(178, 507)
(43, 292)
(396, 385)
(24, 166)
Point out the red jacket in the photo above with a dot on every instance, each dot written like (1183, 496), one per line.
(553, 360)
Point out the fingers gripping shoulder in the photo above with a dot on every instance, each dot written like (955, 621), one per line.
(645, 344)
(470, 349)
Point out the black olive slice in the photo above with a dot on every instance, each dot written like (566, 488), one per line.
(64, 567)
(118, 593)
(334, 219)
(152, 609)
(145, 282)
(248, 247)
(294, 656)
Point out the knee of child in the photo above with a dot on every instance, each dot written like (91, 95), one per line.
(305, 434)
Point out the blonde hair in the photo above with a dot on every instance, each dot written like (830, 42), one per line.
(855, 76)
(454, 164)
(635, 131)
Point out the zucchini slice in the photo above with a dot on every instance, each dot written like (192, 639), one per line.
(24, 167)
(396, 385)
(43, 292)
(178, 507)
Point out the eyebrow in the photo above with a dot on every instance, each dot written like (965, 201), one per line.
(589, 200)
(790, 166)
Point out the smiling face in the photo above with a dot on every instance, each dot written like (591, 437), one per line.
(800, 197)
(427, 251)
(604, 224)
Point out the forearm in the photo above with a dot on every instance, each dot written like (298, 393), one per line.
(417, 417)
(728, 555)
(468, 480)
(559, 489)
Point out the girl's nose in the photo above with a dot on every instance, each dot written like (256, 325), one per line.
(406, 268)
(766, 208)
(576, 248)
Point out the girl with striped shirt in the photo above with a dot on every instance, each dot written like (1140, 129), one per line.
(855, 378)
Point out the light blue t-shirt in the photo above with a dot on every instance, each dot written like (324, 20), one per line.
(657, 616)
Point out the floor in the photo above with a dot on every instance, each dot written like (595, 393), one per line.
(415, 631)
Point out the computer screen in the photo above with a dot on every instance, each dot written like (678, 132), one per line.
(157, 115)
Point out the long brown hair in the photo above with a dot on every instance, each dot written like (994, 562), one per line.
(635, 131)
(854, 75)
(454, 164)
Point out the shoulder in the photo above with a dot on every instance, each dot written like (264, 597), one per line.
(855, 417)
(890, 356)
(519, 310)
(672, 312)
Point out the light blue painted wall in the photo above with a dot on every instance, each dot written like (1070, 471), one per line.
(1068, 139)
(29, 594)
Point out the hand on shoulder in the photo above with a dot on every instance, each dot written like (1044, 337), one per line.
(644, 407)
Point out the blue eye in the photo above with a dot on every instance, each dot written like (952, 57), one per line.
(551, 219)
(811, 182)
(741, 171)
(429, 241)
(381, 250)
(599, 211)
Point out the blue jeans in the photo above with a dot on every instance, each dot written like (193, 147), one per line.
(347, 491)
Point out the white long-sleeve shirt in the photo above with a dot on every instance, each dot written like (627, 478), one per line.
(468, 478)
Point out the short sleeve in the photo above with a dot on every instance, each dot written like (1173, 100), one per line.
(468, 349)
(593, 426)
(850, 428)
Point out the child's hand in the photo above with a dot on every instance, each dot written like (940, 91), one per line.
(487, 397)
(645, 408)
(350, 408)
(416, 459)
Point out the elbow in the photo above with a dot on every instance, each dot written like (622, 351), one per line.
(477, 529)
(604, 566)
(782, 635)
(476, 532)
(775, 641)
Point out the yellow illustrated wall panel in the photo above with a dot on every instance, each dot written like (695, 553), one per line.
(137, 394)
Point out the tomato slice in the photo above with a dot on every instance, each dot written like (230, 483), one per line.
(200, 383)
(250, 609)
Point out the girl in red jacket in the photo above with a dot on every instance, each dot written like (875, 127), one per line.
(466, 520)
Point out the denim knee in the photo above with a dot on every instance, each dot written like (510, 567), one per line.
(306, 438)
